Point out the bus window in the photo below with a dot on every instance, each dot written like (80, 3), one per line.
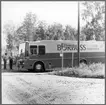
(21, 54)
(41, 50)
(21, 51)
(33, 49)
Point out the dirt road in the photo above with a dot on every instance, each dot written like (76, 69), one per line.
(41, 88)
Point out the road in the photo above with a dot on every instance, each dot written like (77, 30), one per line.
(41, 88)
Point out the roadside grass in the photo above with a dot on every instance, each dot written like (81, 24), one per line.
(95, 70)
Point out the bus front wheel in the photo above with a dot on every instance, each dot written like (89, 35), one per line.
(38, 67)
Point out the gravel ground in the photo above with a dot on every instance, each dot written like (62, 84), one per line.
(41, 88)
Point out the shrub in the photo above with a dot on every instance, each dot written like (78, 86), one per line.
(95, 70)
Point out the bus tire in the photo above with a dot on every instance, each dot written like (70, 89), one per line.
(39, 66)
(83, 61)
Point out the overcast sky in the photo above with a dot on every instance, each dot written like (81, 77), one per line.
(60, 12)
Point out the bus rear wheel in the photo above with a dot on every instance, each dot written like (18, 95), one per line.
(39, 67)
(83, 62)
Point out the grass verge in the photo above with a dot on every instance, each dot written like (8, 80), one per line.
(95, 70)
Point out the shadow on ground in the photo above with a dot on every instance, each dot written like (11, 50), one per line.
(22, 71)
(16, 70)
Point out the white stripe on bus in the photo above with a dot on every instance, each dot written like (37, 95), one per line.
(69, 58)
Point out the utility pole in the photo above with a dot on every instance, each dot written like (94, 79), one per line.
(62, 58)
(78, 33)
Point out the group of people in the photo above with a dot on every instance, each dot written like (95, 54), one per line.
(5, 58)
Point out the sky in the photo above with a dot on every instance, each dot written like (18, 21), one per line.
(64, 12)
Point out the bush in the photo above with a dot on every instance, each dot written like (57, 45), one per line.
(95, 70)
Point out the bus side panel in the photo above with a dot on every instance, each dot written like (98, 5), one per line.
(29, 63)
(57, 63)
(90, 54)
(55, 60)
(90, 57)
(48, 59)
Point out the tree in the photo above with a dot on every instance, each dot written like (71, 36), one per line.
(93, 15)
(70, 33)
(9, 30)
(41, 31)
(55, 31)
(27, 30)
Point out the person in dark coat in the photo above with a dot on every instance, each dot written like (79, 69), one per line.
(11, 61)
(5, 60)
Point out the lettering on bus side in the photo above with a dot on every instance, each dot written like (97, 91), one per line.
(69, 47)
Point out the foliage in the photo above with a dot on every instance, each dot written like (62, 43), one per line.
(27, 30)
(55, 31)
(70, 33)
(95, 70)
(9, 30)
(41, 31)
(93, 14)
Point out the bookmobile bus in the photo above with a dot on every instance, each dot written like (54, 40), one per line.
(46, 54)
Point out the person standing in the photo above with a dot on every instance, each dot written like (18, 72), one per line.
(5, 60)
(11, 61)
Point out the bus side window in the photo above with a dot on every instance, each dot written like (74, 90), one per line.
(31, 51)
(35, 50)
(21, 50)
(21, 54)
(41, 50)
